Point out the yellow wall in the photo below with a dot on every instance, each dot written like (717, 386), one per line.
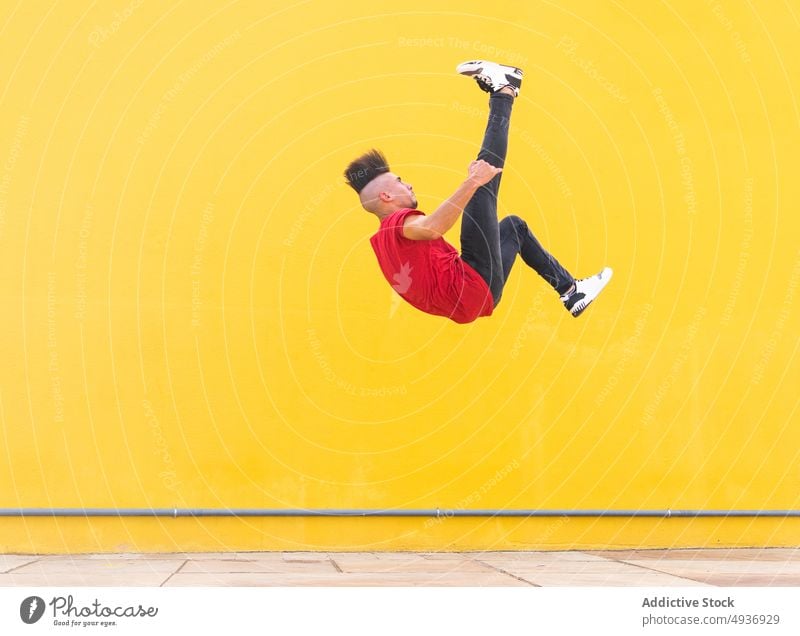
(192, 314)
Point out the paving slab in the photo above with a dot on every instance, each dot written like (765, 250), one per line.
(568, 567)
(13, 561)
(358, 579)
(48, 566)
(716, 554)
(683, 566)
(363, 557)
(541, 557)
(749, 580)
(397, 556)
(304, 557)
(89, 579)
(609, 579)
(422, 566)
(259, 566)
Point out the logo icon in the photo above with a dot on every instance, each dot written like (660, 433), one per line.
(401, 285)
(31, 609)
(403, 278)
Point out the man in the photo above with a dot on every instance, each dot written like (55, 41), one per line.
(424, 268)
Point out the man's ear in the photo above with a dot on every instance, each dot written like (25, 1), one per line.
(385, 197)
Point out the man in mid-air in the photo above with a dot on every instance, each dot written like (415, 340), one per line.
(424, 268)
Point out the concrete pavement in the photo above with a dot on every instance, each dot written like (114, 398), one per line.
(695, 567)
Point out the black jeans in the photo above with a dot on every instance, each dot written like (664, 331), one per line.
(489, 247)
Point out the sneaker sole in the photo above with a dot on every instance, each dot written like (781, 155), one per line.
(476, 66)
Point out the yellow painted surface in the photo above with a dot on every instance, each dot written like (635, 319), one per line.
(192, 314)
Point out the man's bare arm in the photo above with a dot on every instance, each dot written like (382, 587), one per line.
(428, 228)
(433, 226)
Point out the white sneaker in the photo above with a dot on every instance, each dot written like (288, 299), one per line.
(491, 77)
(586, 290)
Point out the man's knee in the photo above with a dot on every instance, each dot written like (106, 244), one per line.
(514, 223)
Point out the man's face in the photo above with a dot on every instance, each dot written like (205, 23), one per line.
(402, 193)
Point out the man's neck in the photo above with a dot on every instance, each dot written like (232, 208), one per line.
(385, 213)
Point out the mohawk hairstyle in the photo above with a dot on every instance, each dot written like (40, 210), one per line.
(364, 169)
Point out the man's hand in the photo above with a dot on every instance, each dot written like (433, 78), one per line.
(482, 172)
(426, 228)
